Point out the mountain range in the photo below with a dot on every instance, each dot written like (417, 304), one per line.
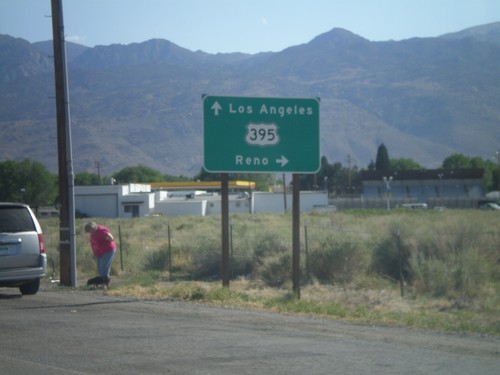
(141, 103)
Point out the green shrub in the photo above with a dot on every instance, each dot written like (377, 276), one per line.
(391, 257)
(432, 277)
(272, 260)
(86, 263)
(157, 260)
(336, 260)
(453, 258)
(461, 276)
(206, 260)
(451, 254)
(275, 270)
(268, 244)
(143, 278)
(197, 294)
(241, 265)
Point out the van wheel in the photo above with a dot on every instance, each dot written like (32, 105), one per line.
(30, 288)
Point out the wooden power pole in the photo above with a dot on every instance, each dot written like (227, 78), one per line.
(67, 253)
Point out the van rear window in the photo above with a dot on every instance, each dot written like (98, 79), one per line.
(15, 219)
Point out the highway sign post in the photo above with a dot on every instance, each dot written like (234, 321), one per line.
(251, 134)
(257, 135)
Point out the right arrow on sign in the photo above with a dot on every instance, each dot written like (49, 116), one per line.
(283, 161)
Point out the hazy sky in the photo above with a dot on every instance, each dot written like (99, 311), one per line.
(242, 25)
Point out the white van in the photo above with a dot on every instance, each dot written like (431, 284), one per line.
(23, 261)
(415, 206)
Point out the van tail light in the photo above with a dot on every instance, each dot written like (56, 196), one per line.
(41, 243)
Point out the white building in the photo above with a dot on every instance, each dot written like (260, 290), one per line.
(135, 200)
(132, 200)
(263, 202)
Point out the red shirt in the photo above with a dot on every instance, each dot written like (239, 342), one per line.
(100, 245)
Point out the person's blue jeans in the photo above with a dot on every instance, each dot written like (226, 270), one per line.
(104, 263)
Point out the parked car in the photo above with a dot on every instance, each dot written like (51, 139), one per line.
(490, 206)
(415, 206)
(23, 261)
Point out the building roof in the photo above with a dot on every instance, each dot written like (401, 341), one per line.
(425, 174)
(197, 185)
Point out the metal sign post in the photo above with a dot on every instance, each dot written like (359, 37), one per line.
(225, 229)
(257, 135)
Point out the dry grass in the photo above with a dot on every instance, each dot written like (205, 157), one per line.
(454, 260)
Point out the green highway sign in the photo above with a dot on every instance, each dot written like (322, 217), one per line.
(251, 134)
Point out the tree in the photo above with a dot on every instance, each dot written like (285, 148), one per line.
(138, 173)
(403, 164)
(263, 181)
(9, 185)
(491, 170)
(321, 180)
(456, 161)
(204, 175)
(329, 172)
(27, 181)
(334, 177)
(371, 165)
(490, 178)
(382, 162)
(87, 179)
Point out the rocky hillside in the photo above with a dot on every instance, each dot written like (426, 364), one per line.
(140, 104)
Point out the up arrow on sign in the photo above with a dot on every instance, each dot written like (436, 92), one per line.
(252, 134)
(216, 108)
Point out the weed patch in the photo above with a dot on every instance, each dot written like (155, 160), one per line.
(351, 263)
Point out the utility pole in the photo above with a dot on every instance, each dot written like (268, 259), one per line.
(498, 165)
(349, 160)
(98, 166)
(387, 182)
(67, 251)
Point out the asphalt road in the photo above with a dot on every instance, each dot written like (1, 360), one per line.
(86, 332)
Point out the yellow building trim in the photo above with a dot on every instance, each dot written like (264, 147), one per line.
(201, 185)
